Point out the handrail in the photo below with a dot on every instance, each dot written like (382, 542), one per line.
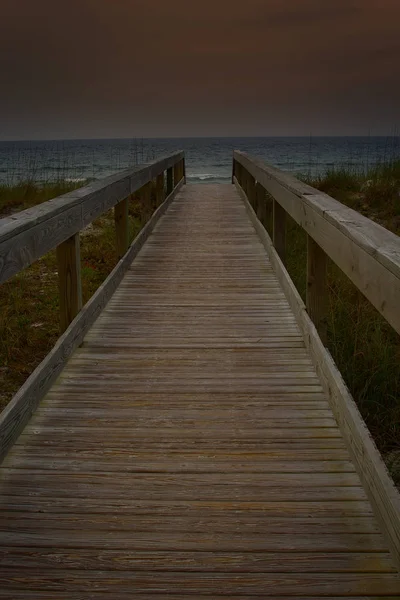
(28, 235)
(370, 256)
(366, 252)
(18, 412)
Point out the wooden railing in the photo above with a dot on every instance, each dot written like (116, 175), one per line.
(366, 252)
(370, 256)
(28, 235)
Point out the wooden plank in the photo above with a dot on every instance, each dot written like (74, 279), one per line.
(279, 230)
(317, 291)
(237, 562)
(30, 234)
(177, 173)
(195, 542)
(30, 522)
(381, 490)
(251, 189)
(184, 169)
(170, 180)
(44, 595)
(69, 280)
(261, 203)
(175, 464)
(36, 239)
(145, 196)
(121, 218)
(188, 442)
(275, 585)
(160, 191)
(193, 482)
(18, 412)
(183, 433)
(195, 508)
(366, 252)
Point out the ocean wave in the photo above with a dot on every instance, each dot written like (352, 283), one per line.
(75, 179)
(207, 177)
(202, 176)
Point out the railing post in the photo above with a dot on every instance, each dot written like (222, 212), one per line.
(121, 218)
(261, 208)
(239, 173)
(184, 170)
(160, 193)
(233, 169)
(244, 179)
(145, 195)
(170, 181)
(177, 170)
(317, 291)
(279, 230)
(251, 190)
(69, 280)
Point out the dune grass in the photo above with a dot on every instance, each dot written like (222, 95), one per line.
(365, 348)
(14, 198)
(363, 345)
(29, 301)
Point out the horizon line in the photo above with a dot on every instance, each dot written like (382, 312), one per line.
(197, 137)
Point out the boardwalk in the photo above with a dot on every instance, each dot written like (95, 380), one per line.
(188, 449)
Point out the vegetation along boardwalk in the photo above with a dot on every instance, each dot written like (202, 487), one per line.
(195, 438)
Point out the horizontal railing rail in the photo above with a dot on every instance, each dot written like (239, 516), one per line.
(57, 223)
(366, 252)
(370, 257)
(28, 235)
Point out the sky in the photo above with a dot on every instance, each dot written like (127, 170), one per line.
(172, 68)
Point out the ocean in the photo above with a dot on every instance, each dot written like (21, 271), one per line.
(207, 159)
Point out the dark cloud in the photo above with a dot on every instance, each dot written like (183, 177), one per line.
(95, 68)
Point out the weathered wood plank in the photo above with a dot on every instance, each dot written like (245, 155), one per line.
(275, 585)
(193, 508)
(69, 280)
(381, 490)
(177, 173)
(160, 191)
(188, 448)
(99, 595)
(170, 180)
(175, 464)
(279, 229)
(236, 562)
(27, 236)
(317, 291)
(18, 412)
(195, 542)
(121, 219)
(366, 252)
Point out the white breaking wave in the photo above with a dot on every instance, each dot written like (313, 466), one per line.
(75, 179)
(202, 176)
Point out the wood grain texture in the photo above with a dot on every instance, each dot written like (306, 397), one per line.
(69, 280)
(19, 410)
(121, 211)
(378, 484)
(30, 234)
(279, 229)
(177, 173)
(160, 189)
(366, 252)
(188, 448)
(170, 180)
(317, 291)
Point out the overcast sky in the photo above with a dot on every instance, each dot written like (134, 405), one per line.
(153, 68)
